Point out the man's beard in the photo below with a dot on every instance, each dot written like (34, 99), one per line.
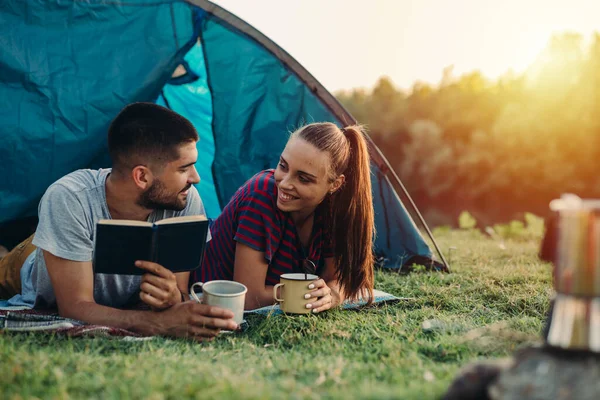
(157, 198)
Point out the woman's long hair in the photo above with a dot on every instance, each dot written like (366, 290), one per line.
(350, 213)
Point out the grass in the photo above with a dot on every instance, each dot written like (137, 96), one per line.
(494, 301)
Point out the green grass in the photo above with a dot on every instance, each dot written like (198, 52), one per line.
(494, 301)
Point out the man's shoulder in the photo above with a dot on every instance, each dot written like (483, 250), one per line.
(194, 205)
(68, 212)
(193, 192)
(78, 190)
(82, 179)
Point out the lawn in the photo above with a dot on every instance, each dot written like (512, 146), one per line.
(493, 302)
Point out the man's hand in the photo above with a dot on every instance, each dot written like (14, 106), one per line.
(159, 287)
(73, 283)
(194, 320)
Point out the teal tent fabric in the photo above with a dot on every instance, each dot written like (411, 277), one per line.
(192, 99)
(67, 68)
(257, 103)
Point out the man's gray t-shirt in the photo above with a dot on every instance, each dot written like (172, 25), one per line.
(68, 213)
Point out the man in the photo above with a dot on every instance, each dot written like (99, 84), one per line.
(153, 151)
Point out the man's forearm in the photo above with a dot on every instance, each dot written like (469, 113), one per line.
(259, 298)
(92, 313)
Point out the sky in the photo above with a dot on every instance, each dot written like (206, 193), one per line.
(348, 44)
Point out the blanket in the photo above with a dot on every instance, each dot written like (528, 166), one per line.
(19, 319)
(380, 298)
(23, 319)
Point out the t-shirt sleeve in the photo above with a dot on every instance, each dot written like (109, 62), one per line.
(258, 226)
(63, 228)
(195, 207)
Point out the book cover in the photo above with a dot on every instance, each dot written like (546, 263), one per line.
(175, 243)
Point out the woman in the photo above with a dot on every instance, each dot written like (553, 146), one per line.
(314, 213)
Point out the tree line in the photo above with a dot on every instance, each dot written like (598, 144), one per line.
(497, 148)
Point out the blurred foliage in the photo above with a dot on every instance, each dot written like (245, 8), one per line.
(496, 148)
(466, 220)
(532, 229)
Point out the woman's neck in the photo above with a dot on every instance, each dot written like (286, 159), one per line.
(300, 218)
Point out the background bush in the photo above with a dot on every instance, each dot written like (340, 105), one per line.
(496, 148)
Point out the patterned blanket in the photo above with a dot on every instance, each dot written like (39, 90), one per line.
(22, 319)
(28, 320)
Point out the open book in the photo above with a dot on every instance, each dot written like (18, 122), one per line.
(175, 243)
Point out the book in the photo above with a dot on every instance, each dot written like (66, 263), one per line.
(176, 243)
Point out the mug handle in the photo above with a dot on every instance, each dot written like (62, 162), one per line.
(193, 292)
(275, 291)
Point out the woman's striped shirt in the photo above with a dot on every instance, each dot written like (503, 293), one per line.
(252, 218)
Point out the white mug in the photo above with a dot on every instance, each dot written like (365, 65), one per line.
(225, 294)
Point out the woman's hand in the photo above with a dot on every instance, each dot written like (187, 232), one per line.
(159, 287)
(325, 298)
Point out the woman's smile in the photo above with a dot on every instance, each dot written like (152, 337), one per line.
(284, 197)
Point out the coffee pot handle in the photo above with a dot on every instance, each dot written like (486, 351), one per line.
(275, 291)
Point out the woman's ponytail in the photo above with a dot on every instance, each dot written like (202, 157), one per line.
(353, 220)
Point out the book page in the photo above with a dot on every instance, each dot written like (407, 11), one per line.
(124, 222)
(178, 220)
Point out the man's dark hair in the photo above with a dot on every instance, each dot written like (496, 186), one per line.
(145, 133)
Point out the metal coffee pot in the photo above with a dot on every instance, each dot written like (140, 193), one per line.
(574, 321)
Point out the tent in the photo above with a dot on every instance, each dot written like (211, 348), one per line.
(68, 67)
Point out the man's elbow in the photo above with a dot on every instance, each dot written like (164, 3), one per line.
(73, 310)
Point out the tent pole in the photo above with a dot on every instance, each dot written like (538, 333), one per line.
(412, 203)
